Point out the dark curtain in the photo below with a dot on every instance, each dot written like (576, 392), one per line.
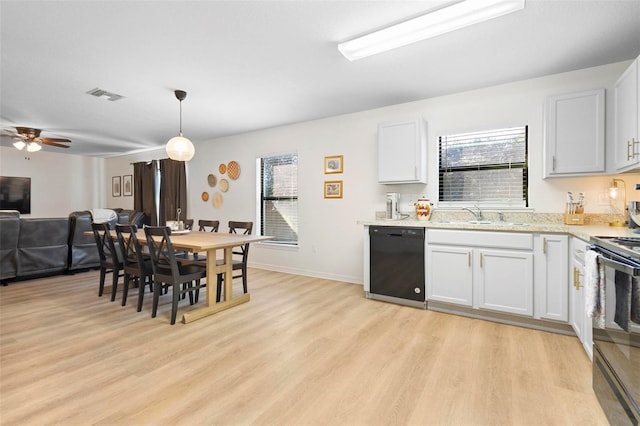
(144, 194)
(173, 190)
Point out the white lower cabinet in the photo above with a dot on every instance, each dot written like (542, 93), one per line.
(579, 320)
(551, 283)
(450, 274)
(483, 270)
(504, 281)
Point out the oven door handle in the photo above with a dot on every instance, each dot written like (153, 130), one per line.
(619, 265)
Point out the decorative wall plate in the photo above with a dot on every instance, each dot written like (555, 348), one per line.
(205, 196)
(212, 180)
(224, 185)
(217, 200)
(222, 168)
(233, 170)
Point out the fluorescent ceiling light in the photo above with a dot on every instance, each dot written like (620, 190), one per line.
(441, 21)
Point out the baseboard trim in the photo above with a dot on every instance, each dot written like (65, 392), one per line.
(543, 325)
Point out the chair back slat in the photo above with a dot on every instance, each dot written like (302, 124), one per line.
(129, 245)
(204, 224)
(245, 228)
(106, 246)
(163, 259)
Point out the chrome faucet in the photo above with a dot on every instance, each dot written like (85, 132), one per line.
(477, 215)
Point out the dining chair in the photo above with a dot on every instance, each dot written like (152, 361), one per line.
(136, 264)
(110, 257)
(188, 225)
(167, 272)
(204, 224)
(241, 254)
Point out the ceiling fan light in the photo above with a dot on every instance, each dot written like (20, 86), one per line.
(33, 147)
(19, 145)
(180, 148)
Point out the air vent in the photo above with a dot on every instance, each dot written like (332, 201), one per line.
(99, 93)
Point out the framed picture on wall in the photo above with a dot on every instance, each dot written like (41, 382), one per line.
(333, 164)
(127, 185)
(333, 189)
(116, 186)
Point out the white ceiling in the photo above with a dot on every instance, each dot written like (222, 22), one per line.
(249, 65)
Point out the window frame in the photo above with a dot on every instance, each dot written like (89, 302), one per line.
(261, 199)
(507, 204)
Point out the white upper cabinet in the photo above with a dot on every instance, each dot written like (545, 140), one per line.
(627, 120)
(575, 134)
(402, 152)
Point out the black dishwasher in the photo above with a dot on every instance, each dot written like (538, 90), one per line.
(397, 272)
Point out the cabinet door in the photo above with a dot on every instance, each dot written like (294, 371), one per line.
(574, 134)
(551, 280)
(578, 315)
(504, 281)
(627, 119)
(579, 320)
(402, 152)
(449, 274)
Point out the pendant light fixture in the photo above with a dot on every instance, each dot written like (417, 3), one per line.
(180, 148)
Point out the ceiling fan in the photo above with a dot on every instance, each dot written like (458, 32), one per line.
(29, 138)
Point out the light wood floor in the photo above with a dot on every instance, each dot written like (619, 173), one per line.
(303, 351)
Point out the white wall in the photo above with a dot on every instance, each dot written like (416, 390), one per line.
(60, 183)
(331, 241)
(330, 238)
(122, 166)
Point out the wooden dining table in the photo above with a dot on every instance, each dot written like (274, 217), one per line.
(211, 242)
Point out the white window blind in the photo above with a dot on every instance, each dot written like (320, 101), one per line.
(485, 168)
(279, 198)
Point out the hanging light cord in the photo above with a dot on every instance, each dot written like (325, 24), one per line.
(180, 117)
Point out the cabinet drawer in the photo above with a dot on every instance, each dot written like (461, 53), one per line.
(510, 240)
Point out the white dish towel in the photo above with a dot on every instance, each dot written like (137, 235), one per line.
(594, 285)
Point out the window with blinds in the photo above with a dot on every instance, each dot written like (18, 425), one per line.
(484, 168)
(279, 198)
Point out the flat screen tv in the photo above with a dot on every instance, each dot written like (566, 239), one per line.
(15, 194)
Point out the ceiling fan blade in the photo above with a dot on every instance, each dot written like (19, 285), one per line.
(45, 140)
(11, 136)
(6, 132)
(48, 142)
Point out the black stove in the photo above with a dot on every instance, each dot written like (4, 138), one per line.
(616, 328)
(629, 247)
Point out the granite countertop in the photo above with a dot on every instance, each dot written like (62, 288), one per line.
(584, 232)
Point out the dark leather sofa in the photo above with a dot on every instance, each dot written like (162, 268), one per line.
(9, 233)
(42, 246)
(32, 247)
